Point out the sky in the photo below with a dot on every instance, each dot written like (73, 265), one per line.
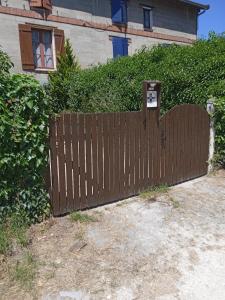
(213, 19)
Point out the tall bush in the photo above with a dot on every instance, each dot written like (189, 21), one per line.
(23, 148)
(59, 81)
(189, 74)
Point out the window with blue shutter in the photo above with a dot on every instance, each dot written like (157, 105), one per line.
(147, 18)
(120, 46)
(119, 11)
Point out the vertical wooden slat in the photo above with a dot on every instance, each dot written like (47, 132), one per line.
(188, 144)
(145, 149)
(127, 153)
(61, 157)
(96, 168)
(74, 127)
(116, 153)
(106, 154)
(141, 149)
(121, 185)
(191, 142)
(151, 148)
(82, 159)
(68, 158)
(156, 149)
(136, 152)
(132, 151)
(111, 155)
(54, 167)
(88, 122)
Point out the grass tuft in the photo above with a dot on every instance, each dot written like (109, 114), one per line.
(24, 271)
(4, 241)
(154, 191)
(81, 217)
(174, 202)
(14, 229)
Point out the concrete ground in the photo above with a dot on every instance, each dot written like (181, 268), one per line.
(163, 248)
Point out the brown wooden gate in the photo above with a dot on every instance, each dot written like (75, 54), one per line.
(104, 157)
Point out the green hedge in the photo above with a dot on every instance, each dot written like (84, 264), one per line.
(23, 149)
(188, 75)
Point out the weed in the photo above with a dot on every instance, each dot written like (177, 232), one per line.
(24, 271)
(13, 229)
(174, 202)
(79, 235)
(154, 191)
(50, 275)
(4, 241)
(81, 217)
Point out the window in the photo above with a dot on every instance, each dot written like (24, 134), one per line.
(147, 11)
(42, 49)
(120, 46)
(119, 11)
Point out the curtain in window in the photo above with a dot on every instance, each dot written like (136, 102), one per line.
(47, 41)
(36, 48)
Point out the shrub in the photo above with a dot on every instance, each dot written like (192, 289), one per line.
(188, 75)
(23, 150)
(59, 81)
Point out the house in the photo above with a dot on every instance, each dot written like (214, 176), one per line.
(32, 32)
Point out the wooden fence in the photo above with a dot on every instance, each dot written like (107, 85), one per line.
(104, 157)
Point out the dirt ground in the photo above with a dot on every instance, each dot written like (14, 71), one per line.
(171, 247)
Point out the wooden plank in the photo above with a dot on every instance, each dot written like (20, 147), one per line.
(167, 164)
(150, 148)
(122, 154)
(132, 151)
(106, 156)
(89, 181)
(61, 157)
(141, 178)
(182, 138)
(68, 158)
(96, 160)
(162, 150)
(188, 141)
(117, 155)
(127, 154)
(111, 156)
(192, 142)
(82, 159)
(145, 149)
(75, 163)
(176, 146)
(54, 196)
(173, 149)
(156, 149)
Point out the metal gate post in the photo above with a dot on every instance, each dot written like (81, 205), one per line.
(211, 110)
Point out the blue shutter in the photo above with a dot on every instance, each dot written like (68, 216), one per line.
(125, 47)
(120, 46)
(119, 11)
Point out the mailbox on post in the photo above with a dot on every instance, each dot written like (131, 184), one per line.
(151, 91)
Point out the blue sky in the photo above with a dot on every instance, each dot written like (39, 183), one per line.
(213, 19)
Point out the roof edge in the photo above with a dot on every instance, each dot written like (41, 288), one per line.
(198, 5)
